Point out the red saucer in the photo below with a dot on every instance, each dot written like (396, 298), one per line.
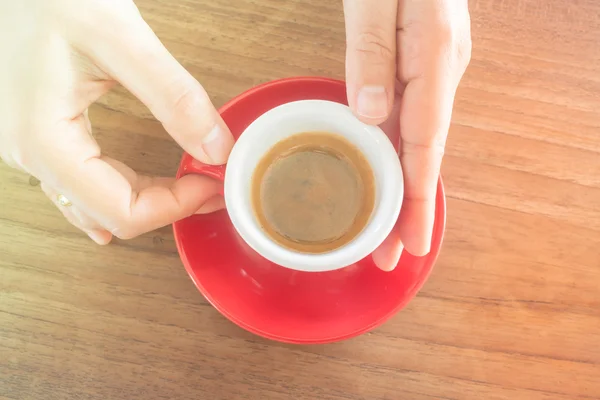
(282, 304)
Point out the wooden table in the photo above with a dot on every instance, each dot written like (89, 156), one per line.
(512, 310)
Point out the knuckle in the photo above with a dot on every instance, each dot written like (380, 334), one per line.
(122, 224)
(191, 107)
(446, 33)
(372, 43)
(454, 39)
(189, 102)
(464, 50)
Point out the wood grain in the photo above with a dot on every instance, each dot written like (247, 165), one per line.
(512, 310)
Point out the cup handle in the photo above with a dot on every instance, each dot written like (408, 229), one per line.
(212, 171)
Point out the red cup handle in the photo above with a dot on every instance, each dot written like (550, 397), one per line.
(212, 171)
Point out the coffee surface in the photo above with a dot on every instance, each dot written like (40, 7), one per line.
(313, 192)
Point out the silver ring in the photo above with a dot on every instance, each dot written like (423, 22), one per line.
(63, 201)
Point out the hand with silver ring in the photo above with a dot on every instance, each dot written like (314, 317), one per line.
(61, 57)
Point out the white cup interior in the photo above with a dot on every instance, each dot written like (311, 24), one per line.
(313, 116)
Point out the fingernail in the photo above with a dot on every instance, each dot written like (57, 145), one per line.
(217, 145)
(372, 102)
(395, 258)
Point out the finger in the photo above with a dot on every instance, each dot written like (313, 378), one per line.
(425, 114)
(77, 218)
(132, 54)
(140, 182)
(127, 212)
(371, 57)
(431, 65)
(206, 190)
(388, 254)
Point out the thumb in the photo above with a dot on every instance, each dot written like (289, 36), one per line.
(128, 50)
(371, 57)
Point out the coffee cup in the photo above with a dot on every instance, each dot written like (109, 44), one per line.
(281, 123)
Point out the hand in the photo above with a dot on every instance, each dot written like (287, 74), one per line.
(404, 61)
(61, 56)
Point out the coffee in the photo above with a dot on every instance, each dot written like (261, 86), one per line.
(313, 192)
